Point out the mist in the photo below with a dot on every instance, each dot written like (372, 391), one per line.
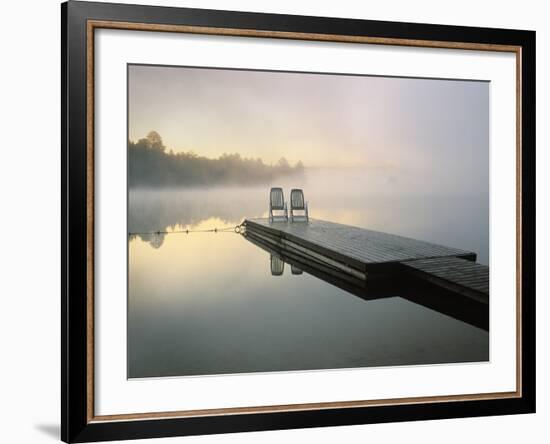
(400, 155)
(435, 130)
(350, 196)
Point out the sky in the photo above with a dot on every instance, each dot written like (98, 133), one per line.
(382, 123)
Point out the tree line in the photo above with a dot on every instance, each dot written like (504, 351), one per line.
(150, 165)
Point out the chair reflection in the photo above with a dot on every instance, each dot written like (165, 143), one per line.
(277, 265)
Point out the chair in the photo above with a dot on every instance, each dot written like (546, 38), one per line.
(297, 203)
(277, 203)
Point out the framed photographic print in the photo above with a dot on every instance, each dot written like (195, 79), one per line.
(275, 221)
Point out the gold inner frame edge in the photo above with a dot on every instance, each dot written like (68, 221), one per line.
(98, 24)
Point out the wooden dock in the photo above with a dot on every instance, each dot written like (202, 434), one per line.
(358, 253)
(455, 274)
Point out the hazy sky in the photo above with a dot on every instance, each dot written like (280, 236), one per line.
(420, 125)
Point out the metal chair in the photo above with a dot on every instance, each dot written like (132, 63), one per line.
(277, 203)
(298, 203)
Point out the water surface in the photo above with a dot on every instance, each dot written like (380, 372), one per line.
(205, 303)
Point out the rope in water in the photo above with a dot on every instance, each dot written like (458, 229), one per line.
(232, 229)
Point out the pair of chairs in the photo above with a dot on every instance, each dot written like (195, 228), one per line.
(277, 205)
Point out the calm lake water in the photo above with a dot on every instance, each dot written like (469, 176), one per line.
(205, 303)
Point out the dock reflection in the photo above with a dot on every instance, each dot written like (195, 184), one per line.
(402, 285)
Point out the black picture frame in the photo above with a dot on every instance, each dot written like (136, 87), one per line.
(76, 326)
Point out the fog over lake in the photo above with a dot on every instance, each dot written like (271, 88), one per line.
(375, 200)
(206, 303)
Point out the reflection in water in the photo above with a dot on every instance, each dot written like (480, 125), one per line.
(207, 303)
(155, 239)
(407, 286)
(277, 265)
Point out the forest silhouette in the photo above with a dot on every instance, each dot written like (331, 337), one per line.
(151, 165)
